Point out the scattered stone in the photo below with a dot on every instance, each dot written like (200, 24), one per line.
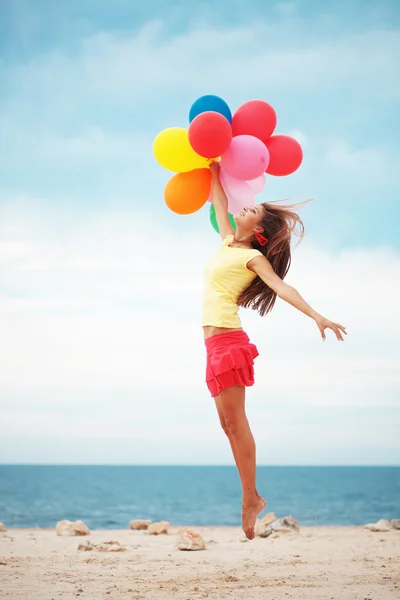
(66, 527)
(291, 522)
(269, 518)
(3, 528)
(111, 546)
(381, 526)
(190, 540)
(277, 527)
(85, 547)
(139, 525)
(285, 525)
(395, 523)
(160, 528)
(261, 529)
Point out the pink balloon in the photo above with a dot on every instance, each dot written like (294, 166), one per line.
(238, 192)
(246, 158)
(257, 185)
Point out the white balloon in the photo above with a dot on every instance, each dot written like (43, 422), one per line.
(257, 185)
(238, 192)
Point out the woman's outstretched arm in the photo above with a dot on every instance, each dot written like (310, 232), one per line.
(262, 267)
(220, 202)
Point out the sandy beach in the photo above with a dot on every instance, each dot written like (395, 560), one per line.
(340, 563)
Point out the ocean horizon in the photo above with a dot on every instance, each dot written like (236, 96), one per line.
(109, 496)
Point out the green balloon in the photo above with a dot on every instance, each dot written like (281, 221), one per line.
(213, 219)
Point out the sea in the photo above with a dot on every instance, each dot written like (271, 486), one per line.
(108, 497)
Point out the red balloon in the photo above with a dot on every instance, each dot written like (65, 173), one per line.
(256, 118)
(285, 155)
(210, 134)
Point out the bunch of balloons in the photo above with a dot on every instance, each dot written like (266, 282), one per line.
(243, 143)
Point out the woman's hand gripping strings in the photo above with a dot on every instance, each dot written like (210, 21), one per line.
(262, 267)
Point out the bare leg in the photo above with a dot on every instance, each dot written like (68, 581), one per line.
(230, 438)
(231, 402)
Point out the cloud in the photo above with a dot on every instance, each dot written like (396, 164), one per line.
(100, 295)
(101, 335)
(357, 161)
(286, 8)
(79, 124)
(120, 76)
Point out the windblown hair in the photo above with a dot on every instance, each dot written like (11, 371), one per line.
(279, 224)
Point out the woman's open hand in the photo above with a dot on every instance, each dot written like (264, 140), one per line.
(337, 329)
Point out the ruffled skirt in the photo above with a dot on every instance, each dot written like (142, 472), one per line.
(230, 361)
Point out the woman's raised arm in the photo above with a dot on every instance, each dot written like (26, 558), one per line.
(220, 202)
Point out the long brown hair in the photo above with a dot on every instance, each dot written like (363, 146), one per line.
(279, 224)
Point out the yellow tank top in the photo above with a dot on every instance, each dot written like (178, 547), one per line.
(226, 276)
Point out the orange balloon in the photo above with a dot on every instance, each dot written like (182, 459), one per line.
(185, 193)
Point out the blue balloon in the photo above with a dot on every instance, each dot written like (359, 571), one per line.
(210, 102)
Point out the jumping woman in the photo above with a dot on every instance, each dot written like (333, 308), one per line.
(247, 270)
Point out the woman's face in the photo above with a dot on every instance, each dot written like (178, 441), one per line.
(249, 217)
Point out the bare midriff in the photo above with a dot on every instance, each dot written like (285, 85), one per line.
(210, 330)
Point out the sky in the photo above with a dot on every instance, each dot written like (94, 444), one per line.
(102, 356)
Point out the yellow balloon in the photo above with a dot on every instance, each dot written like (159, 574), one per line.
(173, 151)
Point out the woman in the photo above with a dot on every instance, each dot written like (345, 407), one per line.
(248, 270)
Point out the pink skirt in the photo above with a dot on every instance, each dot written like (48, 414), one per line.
(230, 361)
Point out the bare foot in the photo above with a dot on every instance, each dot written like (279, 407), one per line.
(249, 515)
(263, 500)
